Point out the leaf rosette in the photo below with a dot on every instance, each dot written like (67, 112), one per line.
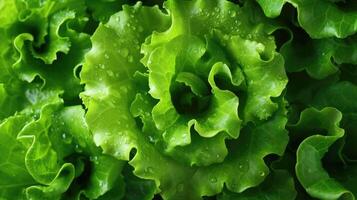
(194, 90)
(46, 40)
(47, 150)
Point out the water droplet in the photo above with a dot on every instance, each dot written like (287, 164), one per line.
(102, 66)
(124, 52)
(262, 174)
(67, 139)
(117, 154)
(110, 73)
(130, 59)
(213, 180)
(149, 170)
(233, 14)
(78, 148)
(151, 139)
(226, 37)
(36, 116)
(218, 156)
(240, 166)
(94, 159)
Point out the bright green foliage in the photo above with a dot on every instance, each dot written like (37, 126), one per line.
(193, 99)
(278, 185)
(47, 150)
(185, 92)
(319, 18)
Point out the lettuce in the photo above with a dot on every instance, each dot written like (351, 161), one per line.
(319, 18)
(196, 99)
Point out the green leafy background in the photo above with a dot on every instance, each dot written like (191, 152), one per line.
(196, 99)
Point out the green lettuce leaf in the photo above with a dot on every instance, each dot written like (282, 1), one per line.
(47, 156)
(319, 18)
(277, 186)
(160, 132)
(196, 99)
(8, 12)
(309, 169)
(102, 10)
(14, 177)
(46, 40)
(271, 8)
(319, 57)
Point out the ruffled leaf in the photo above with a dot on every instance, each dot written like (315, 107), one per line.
(47, 42)
(320, 18)
(159, 137)
(14, 177)
(109, 77)
(319, 57)
(103, 9)
(277, 186)
(271, 8)
(309, 169)
(59, 185)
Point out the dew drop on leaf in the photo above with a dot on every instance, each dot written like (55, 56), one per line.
(78, 149)
(151, 138)
(124, 52)
(213, 180)
(130, 59)
(233, 14)
(149, 170)
(94, 159)
(67, 139)
(110, 73)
